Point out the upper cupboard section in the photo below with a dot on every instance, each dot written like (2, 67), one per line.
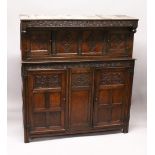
(50, 43)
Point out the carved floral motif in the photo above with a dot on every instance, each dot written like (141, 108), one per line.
(46, 81)
(66, 40)
(112, 78)
(82, 79)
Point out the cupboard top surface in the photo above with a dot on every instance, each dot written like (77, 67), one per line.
(77, 17)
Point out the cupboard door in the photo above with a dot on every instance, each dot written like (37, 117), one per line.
(110, 96)
(80, 98)
(47, 100)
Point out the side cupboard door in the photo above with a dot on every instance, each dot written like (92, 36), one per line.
(111, 89)
(47, 100)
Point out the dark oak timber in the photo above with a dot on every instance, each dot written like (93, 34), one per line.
(77, 75)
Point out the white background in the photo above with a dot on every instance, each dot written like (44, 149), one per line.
(132, 143)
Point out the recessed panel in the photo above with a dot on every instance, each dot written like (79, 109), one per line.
(79, 108)
(39, 120)
(116, 113)
(117, 41)
(93, 42)
(66, 41)
(55, 99)
(117, 96)
(104, 97)
(38, 100)
(104, 115)
(54, 119)
(39, 41)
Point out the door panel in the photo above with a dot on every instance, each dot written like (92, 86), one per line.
(38, 43)
(66, 42)
(120, 43)
(110, 96)
(80, 98)
(93, 42)
(47, 98)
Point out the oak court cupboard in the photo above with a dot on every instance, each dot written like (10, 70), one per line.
(77, 74)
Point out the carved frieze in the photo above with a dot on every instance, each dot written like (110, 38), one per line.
(78, 64)
(79, 23)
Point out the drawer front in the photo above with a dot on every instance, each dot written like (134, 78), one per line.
(72, 43)
(47, 100)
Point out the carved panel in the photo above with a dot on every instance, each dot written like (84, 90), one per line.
(55, 119)
(39, 42)
(92, 41)
(117, 41)
(66, 41)
(47, 81)
(108, 78)
(81, 79)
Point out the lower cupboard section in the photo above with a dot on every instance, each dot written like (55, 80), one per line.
(76, 99)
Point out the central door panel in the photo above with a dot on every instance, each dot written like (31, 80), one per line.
(80, 98)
